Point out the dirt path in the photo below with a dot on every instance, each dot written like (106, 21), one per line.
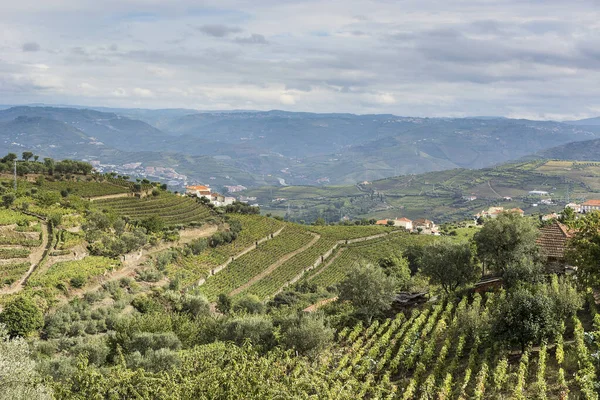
(275, 265)
(35, 257)
(331, 260)
(133, 261)
(111, 196)
(490, 185)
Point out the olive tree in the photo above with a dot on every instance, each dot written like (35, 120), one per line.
(449, 264)
(18, 377)
(368, 289)
(505, 239)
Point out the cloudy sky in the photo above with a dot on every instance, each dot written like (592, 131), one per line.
(518, 58)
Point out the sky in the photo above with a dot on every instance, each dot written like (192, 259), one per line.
(537, 59)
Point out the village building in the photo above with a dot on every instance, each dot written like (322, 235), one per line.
(404, 223)
(574, 206)
(549, 217)
(590, 205)
(469, 198)
(198, 191)
(493, 212)
(382, 222)
(553, 242)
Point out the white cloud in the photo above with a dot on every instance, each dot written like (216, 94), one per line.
(464, 58)
(141, 92)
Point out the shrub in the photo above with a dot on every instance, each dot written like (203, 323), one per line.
(22, 316)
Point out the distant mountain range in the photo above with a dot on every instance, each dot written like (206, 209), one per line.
(257, 147)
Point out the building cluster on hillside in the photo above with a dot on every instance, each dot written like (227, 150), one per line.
(420, 225)
(235, 188)
(215, 198)
(590, 205)
(493, 212)
(136, 169)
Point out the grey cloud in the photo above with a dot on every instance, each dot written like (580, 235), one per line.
(255, 38)
(217, 30)
(31, 46)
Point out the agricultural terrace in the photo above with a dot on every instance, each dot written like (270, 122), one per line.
(250, 265)
(72, 274)
(173, 209)
(191, 268)
(426, 354)
(19, 234)
(371, 251)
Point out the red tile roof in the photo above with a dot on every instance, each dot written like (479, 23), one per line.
(592, 203)
(198, 187)
(403, 219)
(553, 239)
(381, 222)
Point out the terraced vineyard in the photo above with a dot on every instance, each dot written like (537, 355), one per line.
(174, 210)
(11, 272)
(72, 273)
(243, 269)
(86, 188)
(290, 269)
(419, 357)
(368, 251)
(192, 268)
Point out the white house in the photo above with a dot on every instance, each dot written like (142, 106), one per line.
(404, 223)
(590, 205)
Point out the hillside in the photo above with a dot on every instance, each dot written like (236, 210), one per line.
(587, 150)
(139, 288)
(276, 147)
(439, 195)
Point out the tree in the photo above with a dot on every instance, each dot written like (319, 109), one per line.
(36, 158)
(525, 270)
(505, 239)
(567, 216)
(50, 164)
(27, 155)
(22, 316)
(8, 199)
(223, 303)
(308, 335)
(449, 264)
(9, 158)
(20, 380)
(583, 250)
(526, 316)
(249, 304)
(398, 269)
(153, 224)
(368, 289)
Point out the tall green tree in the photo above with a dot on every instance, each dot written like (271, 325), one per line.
(22, 317)
(27, 155)
(506, 239)
(368, 289)
(584, 250)
(19, 379)
(449, 264)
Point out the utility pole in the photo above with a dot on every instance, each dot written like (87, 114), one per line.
(15, 173)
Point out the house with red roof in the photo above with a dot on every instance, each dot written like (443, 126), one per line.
(590, 205)
(553, 241)
(404, 223)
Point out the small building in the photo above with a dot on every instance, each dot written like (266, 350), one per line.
(549, 217)
(469, 198)
(424, 224)
(404, 223)
(382, 222)
(574, 206)
(198, 191)
(590, 205)
(538, 193)
(553, 242)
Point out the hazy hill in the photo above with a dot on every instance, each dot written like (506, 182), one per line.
(586, 122)
(587, 150)
(256, 147)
